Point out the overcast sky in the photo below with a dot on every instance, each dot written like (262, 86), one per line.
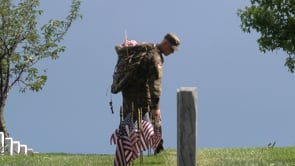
(245, 97)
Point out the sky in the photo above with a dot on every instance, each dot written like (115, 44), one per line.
(245, 98)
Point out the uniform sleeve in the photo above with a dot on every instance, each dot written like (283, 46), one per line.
(155, 81)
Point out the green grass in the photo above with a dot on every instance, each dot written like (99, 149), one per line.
(276, 156)
(247, 156)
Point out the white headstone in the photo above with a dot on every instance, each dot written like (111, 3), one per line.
(1, 142)
(30, 151)
(23, 149)
(8, 145)
(16, 147)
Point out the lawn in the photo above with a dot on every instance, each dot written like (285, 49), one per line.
(274, 156)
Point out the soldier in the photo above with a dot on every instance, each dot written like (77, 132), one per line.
(144, 90)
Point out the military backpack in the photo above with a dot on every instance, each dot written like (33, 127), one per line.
(129, 60)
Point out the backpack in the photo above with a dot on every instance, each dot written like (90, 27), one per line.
(129, 60)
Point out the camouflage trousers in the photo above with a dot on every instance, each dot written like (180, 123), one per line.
(138, 106)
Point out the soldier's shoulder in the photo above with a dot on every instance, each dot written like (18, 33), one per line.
(145, 46)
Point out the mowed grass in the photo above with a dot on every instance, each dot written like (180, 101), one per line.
(278, 156)
(284, 156)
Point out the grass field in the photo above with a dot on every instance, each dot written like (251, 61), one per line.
(284, 156)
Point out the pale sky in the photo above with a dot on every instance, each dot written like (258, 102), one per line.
(245, 97)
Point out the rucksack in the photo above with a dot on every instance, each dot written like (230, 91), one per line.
(129, 60)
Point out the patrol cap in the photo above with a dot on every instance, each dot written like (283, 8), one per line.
(173, 40)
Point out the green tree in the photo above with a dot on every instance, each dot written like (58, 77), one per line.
(23, 45)
(274, 20)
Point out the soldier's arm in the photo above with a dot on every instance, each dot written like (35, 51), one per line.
(155, 83)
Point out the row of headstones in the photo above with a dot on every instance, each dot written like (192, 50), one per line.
(10, 147)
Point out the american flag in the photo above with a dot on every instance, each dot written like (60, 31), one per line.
(131, 140)
(124, 150)
(156, 138)
(141, 137)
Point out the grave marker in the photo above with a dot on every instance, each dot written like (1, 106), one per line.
(16, 147)
(23, 149)
(8, 145)
(186, 126)
(1, 142)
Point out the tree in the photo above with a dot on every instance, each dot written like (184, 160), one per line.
(23, 45)
(275, 21)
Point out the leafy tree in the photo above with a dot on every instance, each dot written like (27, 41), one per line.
(23, 45)
(275, 21)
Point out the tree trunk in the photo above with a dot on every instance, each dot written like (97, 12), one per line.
(2, 120)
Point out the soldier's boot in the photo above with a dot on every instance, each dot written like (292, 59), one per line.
(160, 147)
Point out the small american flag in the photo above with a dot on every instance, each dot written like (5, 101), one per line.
(156, 138)
(124, 150)
(131, 140)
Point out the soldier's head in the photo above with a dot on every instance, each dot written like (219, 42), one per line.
(169, 44)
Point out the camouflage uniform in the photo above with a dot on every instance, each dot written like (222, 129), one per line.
(144, 90)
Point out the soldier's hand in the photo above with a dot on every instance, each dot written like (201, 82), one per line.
(156, 113)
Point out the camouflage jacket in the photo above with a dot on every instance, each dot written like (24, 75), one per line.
(144, 90)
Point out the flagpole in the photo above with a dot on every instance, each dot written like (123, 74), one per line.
(125, 42)
(140, 132)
